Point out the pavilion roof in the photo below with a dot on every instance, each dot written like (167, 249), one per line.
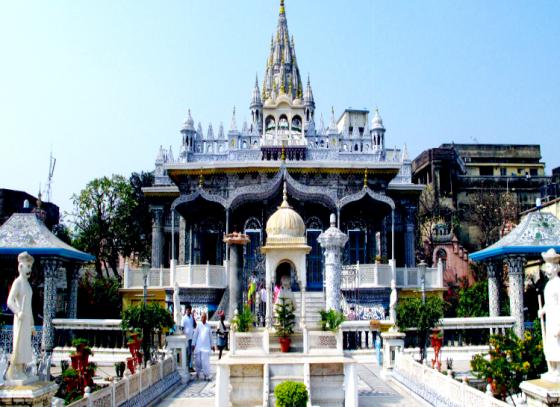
(536, 233)
(24, 232)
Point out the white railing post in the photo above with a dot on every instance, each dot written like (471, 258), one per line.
(375, 275)
(189, 275)
(440, 273)
(266, 342)
(405, 271)
(126, 275)
(305, 340)
(339, 340)
(161, 276)
(208, 274)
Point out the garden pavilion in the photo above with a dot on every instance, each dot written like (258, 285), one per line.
(56, 262)
(536, 233)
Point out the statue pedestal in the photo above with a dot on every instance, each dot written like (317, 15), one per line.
(393, 342)
(32, 394)
(177, 345)
(540, 393)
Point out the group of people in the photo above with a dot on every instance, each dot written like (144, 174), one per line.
(200, 341)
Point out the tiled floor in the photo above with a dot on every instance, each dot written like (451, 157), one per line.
(372, 391)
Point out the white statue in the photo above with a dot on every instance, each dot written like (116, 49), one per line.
(393, 303)
(551, 336)
(177, 309)
(19, 302)
(286, 291)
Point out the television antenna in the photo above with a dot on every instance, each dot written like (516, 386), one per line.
(52, 164)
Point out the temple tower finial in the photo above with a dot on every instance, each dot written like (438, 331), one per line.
(282, 8)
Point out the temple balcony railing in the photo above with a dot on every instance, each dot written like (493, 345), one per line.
(357, 276)
(187, 276)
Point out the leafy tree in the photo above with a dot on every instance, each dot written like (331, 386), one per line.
(491, 210)
(511, 361)
(110, 220)
(433, 211)
(413, 313)
(98, 297)
(139, 225)
(291, 394)
(473, 300)
(149, 319)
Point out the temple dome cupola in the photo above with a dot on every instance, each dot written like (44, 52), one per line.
(285, 223)
(188, 133)
(377, 132)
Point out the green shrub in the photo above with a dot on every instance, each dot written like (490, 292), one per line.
(285, 318)
(291, 394)
(70, 373)
(331, 320)
(243, 321)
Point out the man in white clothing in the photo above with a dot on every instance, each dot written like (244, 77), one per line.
(202, 343)
(188, 323)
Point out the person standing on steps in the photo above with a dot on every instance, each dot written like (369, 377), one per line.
(221, 334)
(202, 343)
(189, 324)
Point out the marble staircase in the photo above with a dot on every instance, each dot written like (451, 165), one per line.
(314, 302)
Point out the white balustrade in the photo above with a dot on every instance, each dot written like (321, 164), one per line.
(438, 389)
(380, 275)
(189, 275)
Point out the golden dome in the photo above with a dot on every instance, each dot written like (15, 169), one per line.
(285, 222)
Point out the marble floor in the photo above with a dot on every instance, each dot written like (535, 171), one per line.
(372, 390)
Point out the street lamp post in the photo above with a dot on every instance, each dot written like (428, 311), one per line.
(145, 273)
(422, 268)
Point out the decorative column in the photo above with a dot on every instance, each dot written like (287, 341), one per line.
(235, 241)
(410, 235)
(493, 268)
(182, 240)
(74, 273)
(332, 241)
(515, 272)
(157, 236)
(50, 271)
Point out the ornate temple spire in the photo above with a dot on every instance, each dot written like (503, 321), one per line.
(308, 95)
(233, 124)
(332, 126)
(256, 99)
(189, 122)
(221, 135)
(282, 72)
(210, 133)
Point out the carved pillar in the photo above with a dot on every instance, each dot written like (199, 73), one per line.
(515, 272)
(410, 236)
(157, 236)
(74, 274)
(493, 269)
(332, 241)
(50, 271)
(182, 240)
(384, 237)
(235, 241)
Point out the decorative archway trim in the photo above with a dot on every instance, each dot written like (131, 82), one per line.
(366, 192)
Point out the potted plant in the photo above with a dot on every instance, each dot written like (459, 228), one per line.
(80, 344)
(119, 369)
(331, 320)
(75, 360)
(243, 321)
(284, 324)
(291, 394)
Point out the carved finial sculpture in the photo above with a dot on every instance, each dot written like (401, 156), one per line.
(551, 336)
(19, 302)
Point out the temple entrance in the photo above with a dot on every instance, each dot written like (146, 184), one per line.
(286, 269)
(314, 261)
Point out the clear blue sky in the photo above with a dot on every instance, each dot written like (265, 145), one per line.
(104, 83)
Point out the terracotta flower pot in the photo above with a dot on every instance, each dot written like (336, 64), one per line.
(75, 361)
(130, 365)
(285, 344)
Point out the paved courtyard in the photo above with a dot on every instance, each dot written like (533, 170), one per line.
(372, 391)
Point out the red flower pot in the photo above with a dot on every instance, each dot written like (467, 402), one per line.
(130, 365)
(75, 361)
(285, 344)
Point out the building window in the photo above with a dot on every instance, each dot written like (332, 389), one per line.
(503, 172)
(486, 171)
(534, 172)
(314, 261)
